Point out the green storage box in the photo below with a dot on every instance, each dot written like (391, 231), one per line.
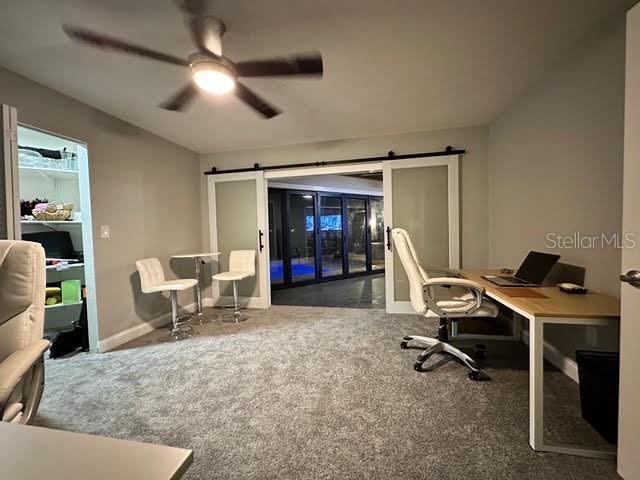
(71, 291)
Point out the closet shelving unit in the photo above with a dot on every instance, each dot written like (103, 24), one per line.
(58, 183)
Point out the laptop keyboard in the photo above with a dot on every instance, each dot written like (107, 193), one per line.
(514, 280)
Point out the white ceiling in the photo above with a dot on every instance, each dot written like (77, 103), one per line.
(390, 66)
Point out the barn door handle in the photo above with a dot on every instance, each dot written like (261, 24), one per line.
(260, 235)
(389, 238)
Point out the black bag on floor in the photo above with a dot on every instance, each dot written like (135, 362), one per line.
(69, 341)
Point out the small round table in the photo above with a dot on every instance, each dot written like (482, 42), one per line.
(197, 257)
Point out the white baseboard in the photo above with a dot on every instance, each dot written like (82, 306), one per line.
(132, 333)
(565, 364)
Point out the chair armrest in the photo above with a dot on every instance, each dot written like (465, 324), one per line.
(474, 287)
(16, 365)
(457, 282)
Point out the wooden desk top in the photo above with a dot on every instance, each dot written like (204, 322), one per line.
(555, 303)
(36, 453)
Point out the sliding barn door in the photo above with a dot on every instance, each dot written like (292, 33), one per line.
(421, 196)
(9, 182)
(237, 222)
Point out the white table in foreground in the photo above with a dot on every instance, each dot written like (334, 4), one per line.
(36, 453)
(197, 257)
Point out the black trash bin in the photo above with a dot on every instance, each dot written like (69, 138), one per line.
(598, 373)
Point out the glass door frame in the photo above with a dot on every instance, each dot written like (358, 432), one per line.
(319, 278)
(452, 164)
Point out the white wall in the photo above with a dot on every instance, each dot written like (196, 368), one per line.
(473, 172)
(141, 185)
(555, 165)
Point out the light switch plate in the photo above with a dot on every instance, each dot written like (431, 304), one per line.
(105, 231)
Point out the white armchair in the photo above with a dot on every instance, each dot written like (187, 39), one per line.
(23, 280)
(465, 299)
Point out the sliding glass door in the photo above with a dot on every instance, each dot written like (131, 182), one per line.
(331, 248)
(376, 226)
(301, 238)
(276, 237)
(316, 236)
(357, 237)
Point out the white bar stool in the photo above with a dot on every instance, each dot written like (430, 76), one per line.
(242, 264)
(152, 280)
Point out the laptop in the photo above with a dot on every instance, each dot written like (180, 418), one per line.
(531, 273)
(56, 244)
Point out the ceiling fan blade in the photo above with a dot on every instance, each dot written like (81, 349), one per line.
(181, 99)
(194, 7)
(206, 30)
(310, 64)
(254, 101)
(109, 43)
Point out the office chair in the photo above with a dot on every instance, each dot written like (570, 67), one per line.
(465, 299)
(23, 280)
(152, 280)
(242, 264)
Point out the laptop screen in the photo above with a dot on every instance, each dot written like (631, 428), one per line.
(536, 266)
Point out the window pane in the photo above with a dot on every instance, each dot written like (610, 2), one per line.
(357, 239)
(376, 224)
(301, 237)
(331, 235)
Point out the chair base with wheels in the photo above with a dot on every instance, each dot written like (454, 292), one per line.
(440, 345)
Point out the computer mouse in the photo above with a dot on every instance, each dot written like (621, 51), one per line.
(572, 288)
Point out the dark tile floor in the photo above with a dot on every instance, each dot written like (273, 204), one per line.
(359, 292)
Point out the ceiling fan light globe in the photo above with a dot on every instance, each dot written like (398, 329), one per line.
(214, 81)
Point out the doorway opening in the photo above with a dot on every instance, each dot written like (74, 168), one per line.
(55, 210)
(326, 240)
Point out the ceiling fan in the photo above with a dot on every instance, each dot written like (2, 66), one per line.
(210, 70)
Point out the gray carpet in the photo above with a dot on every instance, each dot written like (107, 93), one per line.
(302, 392)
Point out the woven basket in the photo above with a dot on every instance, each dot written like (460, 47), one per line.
(62, 212)
(60, 215)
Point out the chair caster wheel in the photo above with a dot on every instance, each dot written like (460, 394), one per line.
(479, 376)
(407, 338)
(404, 345)
(418, 367)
